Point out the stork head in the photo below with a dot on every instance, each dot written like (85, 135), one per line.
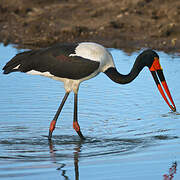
(151, 60)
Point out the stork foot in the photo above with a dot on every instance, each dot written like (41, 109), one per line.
(77, 129)
(81, 135)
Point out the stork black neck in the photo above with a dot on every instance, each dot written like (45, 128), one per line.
(115, 76)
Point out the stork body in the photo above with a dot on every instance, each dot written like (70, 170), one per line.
(75, 63)
(69, 63)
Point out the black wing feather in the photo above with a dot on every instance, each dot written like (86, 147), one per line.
(55, 60)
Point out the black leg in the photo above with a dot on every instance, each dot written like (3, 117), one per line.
(53, 122)
(75, 120)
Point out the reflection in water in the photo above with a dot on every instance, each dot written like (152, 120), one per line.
(171, 173)
(124, 146)
(63, 171)
(53, 156)
(124, 139)
(76, 159)
(109, 146)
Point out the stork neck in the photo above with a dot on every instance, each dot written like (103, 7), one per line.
(117, 77)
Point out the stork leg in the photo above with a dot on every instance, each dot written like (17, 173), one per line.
(53, 122)
(75, 120)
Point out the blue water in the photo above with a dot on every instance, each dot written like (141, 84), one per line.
(131, 132)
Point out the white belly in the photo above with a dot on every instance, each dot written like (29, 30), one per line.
(69, 84)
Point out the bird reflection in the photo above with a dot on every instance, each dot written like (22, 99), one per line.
(77, 149)
(171, 173)
(63, 171)
(76, 160)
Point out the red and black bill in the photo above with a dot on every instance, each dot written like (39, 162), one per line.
(157, 73)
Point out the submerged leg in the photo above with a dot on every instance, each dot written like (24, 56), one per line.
(53, 122)
(75, 120)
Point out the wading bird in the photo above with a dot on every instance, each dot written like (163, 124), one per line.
(75, 63)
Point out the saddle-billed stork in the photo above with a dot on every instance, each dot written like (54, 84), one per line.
(76, 62)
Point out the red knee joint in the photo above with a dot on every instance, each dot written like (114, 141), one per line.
(76, 126)
(52, 125)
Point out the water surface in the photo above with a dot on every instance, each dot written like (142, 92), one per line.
(131, 132)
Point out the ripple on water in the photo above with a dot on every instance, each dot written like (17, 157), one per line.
(39, 149)
(120, 122)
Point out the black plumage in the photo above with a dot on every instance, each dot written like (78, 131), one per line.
(56, 60)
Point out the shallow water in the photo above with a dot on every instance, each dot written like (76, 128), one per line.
(131, 132)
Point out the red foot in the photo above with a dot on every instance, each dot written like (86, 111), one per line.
(52, 125)
(76, 126)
